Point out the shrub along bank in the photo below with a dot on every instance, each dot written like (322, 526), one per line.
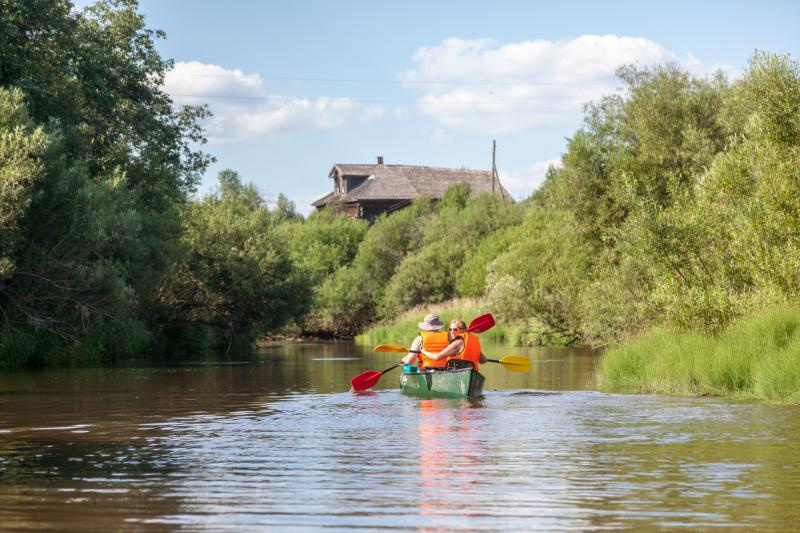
(758, 357)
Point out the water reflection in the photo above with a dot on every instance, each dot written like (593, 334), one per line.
(275, 442)
(450, 455)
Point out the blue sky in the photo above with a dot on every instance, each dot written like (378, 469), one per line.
(297, 86)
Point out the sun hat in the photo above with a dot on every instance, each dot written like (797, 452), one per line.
(431, 323)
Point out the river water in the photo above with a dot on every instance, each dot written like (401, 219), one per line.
(277, 442)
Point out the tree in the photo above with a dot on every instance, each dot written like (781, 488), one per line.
(21, 144)
(99, 225)
(235, 274)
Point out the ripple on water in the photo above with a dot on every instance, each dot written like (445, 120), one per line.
(516, 459)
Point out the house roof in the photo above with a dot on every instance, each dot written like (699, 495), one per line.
(403, 182)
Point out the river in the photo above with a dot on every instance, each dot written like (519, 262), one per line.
(277, 442)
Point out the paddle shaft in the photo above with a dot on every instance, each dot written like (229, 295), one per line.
(391, 367)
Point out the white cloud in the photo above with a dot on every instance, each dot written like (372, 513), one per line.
(437, 135)
(244, 110)
(479, 86)
(522, 182)
(193, 77)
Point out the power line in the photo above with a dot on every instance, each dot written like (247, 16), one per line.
(344, 99)
(396, 82)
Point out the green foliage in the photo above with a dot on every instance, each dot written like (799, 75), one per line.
(20, 144)
(428, 276)
(343, 305)
(387, 243)
(684, 192)
(542, 273)
(406, 258)
(323, 248)
(236, 274)
(469, 221)
(777, 374)
(100, 171)
(730, 245)
(755, 357)
(455, 197)
(459, 225)
(472, 275)
(285, 210)
(349, 297)
(324, 243)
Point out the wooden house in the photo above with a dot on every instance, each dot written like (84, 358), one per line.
(366, 191)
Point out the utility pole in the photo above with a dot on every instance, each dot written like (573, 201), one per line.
(494, 165)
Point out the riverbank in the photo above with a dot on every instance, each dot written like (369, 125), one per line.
(405, 327)
(758, 357)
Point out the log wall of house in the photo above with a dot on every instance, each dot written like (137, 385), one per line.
(371, 209)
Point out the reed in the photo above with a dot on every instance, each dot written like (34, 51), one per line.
(758, 357)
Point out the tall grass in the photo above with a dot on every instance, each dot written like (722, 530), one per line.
(758, 357)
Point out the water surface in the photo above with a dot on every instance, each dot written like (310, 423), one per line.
(277, 442)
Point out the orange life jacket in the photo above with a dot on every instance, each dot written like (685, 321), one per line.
(433, 341)
(471, 351)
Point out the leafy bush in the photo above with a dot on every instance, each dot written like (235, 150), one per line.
(428, 276)
(235, 274)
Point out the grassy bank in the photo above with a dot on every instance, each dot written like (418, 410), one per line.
(404, 328)
(758, 357)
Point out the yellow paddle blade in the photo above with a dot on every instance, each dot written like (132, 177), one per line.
(390, 348)
(515, 363)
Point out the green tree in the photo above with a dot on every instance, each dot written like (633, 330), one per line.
(459, 224)
(736, 248)
(542, 274)
(236, 274)
(427, 276)
(21, 144)
(325, 242)
(652, 142)
(100, 223)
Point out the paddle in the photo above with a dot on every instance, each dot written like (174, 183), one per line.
(367, 380)
(514, 363)
(395, 348)
(481, 323)
(478, 325)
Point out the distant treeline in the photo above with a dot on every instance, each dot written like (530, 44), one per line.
(676, 204)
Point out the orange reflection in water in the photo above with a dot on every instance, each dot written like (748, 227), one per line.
(451, 455)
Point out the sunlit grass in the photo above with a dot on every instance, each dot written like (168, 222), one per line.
(757, 357)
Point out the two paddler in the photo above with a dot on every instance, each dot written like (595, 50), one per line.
(436, 346)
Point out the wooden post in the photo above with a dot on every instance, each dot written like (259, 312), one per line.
(494, 165)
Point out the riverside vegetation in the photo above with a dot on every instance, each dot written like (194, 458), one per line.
(675, 210)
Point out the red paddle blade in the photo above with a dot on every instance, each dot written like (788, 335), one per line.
(365, 380)
(481, 323)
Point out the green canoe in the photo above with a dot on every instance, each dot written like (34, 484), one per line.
(461, 383)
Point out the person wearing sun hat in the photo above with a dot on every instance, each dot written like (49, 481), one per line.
(463, 345)
(432, 338)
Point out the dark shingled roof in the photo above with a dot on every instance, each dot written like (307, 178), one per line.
(404, 182)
